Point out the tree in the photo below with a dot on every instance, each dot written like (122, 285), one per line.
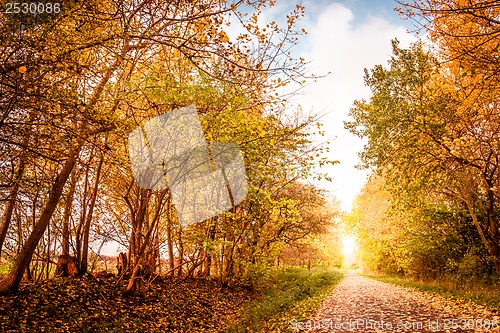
(425, 135)
(466, 34)
(415, 234)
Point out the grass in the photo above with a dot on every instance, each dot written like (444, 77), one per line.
(476, 292)
(295, 294)
(4, 269)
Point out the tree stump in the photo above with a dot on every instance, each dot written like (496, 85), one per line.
(66, 266)
(122, 264)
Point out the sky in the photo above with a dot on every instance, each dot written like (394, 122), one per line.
(344, 38)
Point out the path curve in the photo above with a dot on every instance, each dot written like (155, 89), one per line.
(360, 304)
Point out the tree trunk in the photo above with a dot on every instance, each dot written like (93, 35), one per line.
(170, 239)
(86, 231)
(9, 208)
(137, 216)
(136, 248)
(62, 265)
(122, 264)
(181, 254)
(140, 266)
(489, 241)
(208, 252)
(83, 217)
(228, 268)
(47, 262)
(11, 283)
(135, 281)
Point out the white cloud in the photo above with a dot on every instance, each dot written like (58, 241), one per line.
(336, 44)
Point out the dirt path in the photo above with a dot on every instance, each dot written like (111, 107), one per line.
(360, 304)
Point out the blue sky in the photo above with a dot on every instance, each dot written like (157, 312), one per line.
(362, 8)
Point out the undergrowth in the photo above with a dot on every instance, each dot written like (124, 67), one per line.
(294, 294)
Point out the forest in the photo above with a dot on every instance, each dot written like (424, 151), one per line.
(430, 208)
(73, 89)
(77, 81)
(79, 78)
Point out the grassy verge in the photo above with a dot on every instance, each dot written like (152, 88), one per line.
(487, 295)
(295, 294)
(4, 269)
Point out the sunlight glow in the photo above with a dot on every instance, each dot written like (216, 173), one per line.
(349, 246)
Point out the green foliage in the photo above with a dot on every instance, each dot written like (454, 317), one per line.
(417, 237)
(435, 238)
(294, 293)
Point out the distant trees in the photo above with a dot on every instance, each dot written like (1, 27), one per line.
(416, 235)
(72, 88)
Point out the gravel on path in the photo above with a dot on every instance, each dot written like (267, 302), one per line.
(361, 304)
